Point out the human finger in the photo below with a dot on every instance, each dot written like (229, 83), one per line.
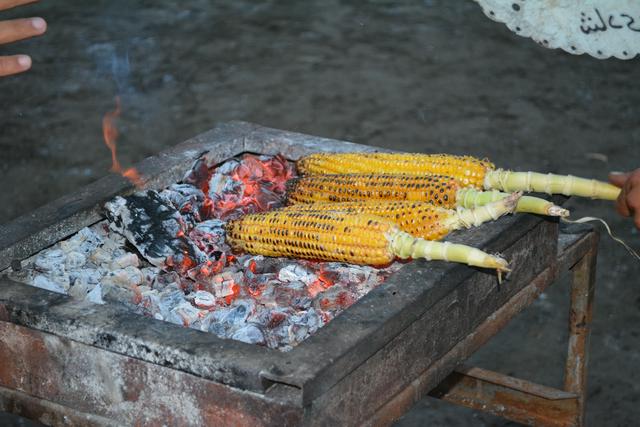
(633, 204)
(636, 220)
(14, 64)
(10, 4)
(618, 178)
(20, 29)
(621, 201)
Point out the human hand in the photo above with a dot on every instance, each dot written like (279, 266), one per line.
(628, 203)
(14, 30)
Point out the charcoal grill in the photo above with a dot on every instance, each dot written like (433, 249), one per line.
(71, 363)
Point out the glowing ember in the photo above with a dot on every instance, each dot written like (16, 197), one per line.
(182, 271)
(110, 134)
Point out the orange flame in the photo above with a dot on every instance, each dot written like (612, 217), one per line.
(110, 133)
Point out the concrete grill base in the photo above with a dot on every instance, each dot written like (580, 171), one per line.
(102, 365)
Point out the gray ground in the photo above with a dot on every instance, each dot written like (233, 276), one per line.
(413, 75)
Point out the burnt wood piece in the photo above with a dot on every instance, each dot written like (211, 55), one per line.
(350, 366)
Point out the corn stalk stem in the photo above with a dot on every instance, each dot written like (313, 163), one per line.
(470, 198)
(473, 217)
(404, 245)
(568, 185)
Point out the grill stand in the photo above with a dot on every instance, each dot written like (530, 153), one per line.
(513, 398)
(66, 363)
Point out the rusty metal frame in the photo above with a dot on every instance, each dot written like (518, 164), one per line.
(513, 398)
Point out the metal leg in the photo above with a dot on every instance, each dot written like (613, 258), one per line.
(527, 402)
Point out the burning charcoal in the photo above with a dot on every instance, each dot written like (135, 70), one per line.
(223, 320)
(119, 294)
(149, 301)
(95, 295)
(113, 242)
(277, 171)
(194, 280)
(184, 314)
(85, 277)
(170, 298)
(187, 199)
(100, 256)
(149, 275)
(204, 274)
(227, 167)
(263, 264)
(292, 295)
(125, 260)
(204, 299)
(272, 319)
(304, 324)
(155, 228)
(251, 334)
(334, 298)
(79, 290)
(238, 314)
(209, 237)
(198, 175)
(129, 276)
(51, 262)
(74, 260)
(257, 284)
(182, 194)
(279, 336)
(221, 184)
(296, 272)
(84, 241)
(44, 282)
(354, 274)
(226, 284)
(166, 280)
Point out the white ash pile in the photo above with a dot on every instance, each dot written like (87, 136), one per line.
(163, 255)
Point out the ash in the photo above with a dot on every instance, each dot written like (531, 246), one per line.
(163, 255)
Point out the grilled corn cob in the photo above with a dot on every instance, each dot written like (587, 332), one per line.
(344, 237)
(470, 171)
(439, 190)
(420, 219)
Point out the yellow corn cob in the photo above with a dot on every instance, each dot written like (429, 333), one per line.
(439, 190)
(468, 170)
(343, 237)
(420, 219)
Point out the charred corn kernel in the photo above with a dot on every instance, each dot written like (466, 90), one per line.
(470, 171)
(439, 190)
(343, 237)
(420, 219)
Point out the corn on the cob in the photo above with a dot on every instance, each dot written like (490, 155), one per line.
(343, 237)
(420, 219)
(468, 170)
(436, 189)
